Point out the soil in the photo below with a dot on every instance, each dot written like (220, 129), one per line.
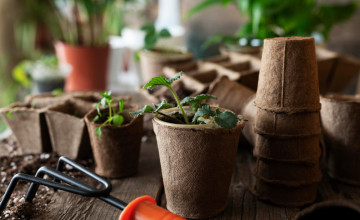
(14, 162)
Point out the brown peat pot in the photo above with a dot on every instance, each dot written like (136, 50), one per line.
(116, 153)
(29, 127)
(288, 79)
(67, 128)
(197, 162)
(153, 61)
(340, 118)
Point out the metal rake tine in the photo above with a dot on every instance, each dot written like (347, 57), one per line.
(65, 160)
(90, 191)
(29, 178)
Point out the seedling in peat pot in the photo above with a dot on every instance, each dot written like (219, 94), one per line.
(113, 117)
(204, 114)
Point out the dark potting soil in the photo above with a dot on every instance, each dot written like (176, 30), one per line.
(13, 163)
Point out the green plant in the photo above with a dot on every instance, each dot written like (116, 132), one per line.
(152, 35)
(89, 22)
(22, 72)
(204, 114)
(280, 18)
(113, 117)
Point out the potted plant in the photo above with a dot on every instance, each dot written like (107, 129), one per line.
(83, 43)
(154, 57)
(43, 75)
(197, 147)
(115, 138)
(266, 19)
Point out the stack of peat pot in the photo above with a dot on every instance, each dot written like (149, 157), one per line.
(287, 123)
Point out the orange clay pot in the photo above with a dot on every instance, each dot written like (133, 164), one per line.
(89, 66)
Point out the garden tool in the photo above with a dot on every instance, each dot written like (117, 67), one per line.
(142, 208)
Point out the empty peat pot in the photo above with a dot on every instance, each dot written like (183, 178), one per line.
(153, 61)
(29, 127)
(338, 209)
(197, 162)
(340, 118)
(116, 153)
(67, 128)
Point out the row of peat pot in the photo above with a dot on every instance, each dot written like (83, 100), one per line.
(195, 185)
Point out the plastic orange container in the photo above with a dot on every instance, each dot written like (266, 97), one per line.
(145, 208)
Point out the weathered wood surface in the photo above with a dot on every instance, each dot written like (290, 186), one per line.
(241, 204)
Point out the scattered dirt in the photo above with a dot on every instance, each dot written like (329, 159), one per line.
(17, 207)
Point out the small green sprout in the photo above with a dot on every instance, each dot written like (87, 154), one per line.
(203, 112)
(114, 116)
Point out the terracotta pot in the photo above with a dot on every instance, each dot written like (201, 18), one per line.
(29, 127)
(116, 153)
(335, 209)
(197, 162)
(68, 132)
(152, 62)
(340, 118)
(89, 66)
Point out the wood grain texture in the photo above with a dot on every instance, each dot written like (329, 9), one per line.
(242, 204)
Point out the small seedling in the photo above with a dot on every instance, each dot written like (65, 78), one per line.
(9, 114)
(113, 117)
(204, 114)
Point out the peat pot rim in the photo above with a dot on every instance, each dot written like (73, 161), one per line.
(348, 99)
(187, 110)
(294, 38)
(181, 54)
(89, 116)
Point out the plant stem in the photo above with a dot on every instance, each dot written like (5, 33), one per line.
(178, 102)
(172, 118)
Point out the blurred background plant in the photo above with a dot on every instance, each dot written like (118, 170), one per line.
(89, 22)
(265, 19)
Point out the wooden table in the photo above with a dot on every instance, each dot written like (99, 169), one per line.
(241, 203)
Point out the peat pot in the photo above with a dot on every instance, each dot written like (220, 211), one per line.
(116, 153)
(153, 61)
(197, 162)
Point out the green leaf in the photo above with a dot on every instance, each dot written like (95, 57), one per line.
(103, 102)
(164, 33)
(96, 118)
(171, 80)
(97, 106)
(117, 120)
(9, 115)
(226, 120)
(197, 99)
(106, 94)
(161, 81)
(150, 40)
(205, 110)
(156, 81)
(121, 105)
(146, 109)
(98, 131)
(162, 105)
(256, 17)
(57, 92)
(216, 39)
(244, 6)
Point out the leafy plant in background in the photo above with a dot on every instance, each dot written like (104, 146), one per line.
(22, 71)
(152, 35)
(280, 18)
(204, 114)
(113, 117)
(89, 22)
